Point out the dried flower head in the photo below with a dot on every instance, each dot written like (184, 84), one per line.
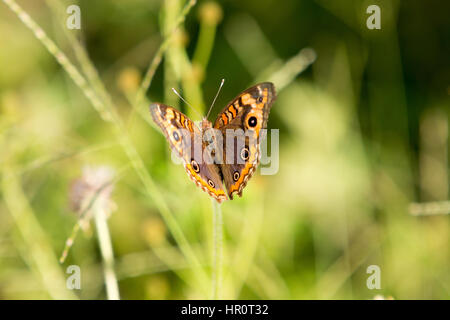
(92, 192)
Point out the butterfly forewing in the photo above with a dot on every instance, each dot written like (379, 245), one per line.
(258, 99)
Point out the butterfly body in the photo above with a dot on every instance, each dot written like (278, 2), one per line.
(229, 149)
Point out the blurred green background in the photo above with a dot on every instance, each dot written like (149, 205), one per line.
(363, 175)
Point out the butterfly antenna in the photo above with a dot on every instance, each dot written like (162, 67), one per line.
(217, 94)
(187, 103)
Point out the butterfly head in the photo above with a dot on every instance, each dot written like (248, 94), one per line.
(206, 124)
(208, 136)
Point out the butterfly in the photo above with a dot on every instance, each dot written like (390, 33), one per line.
(233, 158)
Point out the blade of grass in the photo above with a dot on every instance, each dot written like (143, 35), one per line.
(104, 239)
(246, 37)
(62, 59)
(170, 10)
(81, 54)
(38, 249)
(247, 245)
(146, 82)
(217, 249)
(108, 113)
(210, 14)
(290, 69)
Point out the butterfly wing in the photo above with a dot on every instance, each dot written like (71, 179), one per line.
(249, 112)
(186, 141)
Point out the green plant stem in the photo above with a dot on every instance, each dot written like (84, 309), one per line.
(37, 252)
(217, 249)
(108, 113)
(104, 240)
(80, 53)
(146, 82)
(291, 69)
(170, 10)
(205, 44)
(62, 59)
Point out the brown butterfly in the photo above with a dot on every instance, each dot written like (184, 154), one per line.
(236, 157)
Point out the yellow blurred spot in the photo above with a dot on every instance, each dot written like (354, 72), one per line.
(154, 231)
(180, 38)
(157, 288)
(381, 297)
(210, 13)
(129, 79)
(10, 105)
(197, 73)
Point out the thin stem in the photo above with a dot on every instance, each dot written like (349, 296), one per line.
(217, 249)
(62, 59)
(104, 240)
(69, 242)
(285, 74)
(210, 15)
(146, 82)
(108, 113)
(80, 53)
(37, 251)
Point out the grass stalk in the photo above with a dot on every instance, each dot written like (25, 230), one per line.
(148, 77)
(170, 10)
(62, 59)
(217, 249)
(210, 15)
(81, 54)
(104, 240)
(287, 73)
(38, 252)
(108, 113)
